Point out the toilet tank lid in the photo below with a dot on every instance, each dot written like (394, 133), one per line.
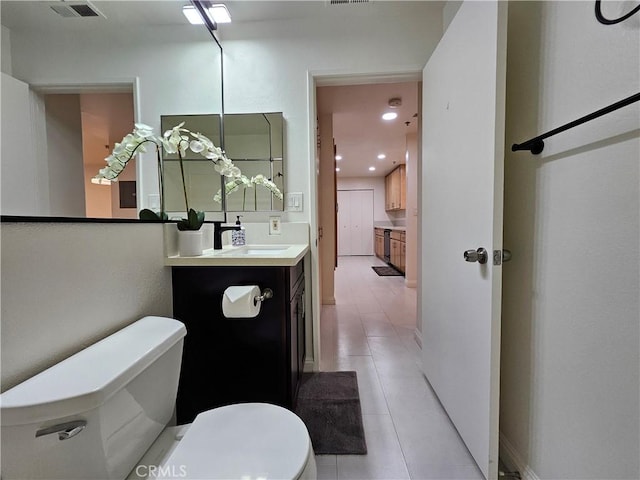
(87, 379)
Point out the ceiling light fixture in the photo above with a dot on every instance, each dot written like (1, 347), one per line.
(390, 116)
(338, 157)
(192, 15)
(217, 13)
(381, 156)
(337, 169)
(372, 169)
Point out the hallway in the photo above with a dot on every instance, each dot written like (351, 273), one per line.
(371, 330)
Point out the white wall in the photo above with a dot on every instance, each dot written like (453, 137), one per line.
(67, 285)
(64, 155)
(380, 216)
(5, 55)
(411, 212)
(266, 64)
(175, 65)
(25, 190)
(570, 354)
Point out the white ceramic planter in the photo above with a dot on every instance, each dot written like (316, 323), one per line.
(190, 243)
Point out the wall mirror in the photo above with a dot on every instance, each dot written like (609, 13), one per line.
(58, 120)
(255, 144)
(201, 180)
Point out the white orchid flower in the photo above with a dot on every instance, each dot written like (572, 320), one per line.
(196, 146)
(204, 140)
(143, 130)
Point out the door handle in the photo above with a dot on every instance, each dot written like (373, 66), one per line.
(479, 255)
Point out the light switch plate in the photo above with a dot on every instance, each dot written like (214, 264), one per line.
(294, 202)
(274, 226)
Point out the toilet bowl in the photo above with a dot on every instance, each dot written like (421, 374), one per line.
(104, 413)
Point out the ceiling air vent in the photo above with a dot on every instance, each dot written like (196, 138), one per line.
(346, 2)
(76, 9)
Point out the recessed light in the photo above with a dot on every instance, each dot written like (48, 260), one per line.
(390, 116)
(371, 169)
(338, 157)
(381, 156)
(337, 169)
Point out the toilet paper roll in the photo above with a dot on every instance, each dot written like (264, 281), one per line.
(237, 301)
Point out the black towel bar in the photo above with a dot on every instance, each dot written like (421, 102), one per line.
(536, 145)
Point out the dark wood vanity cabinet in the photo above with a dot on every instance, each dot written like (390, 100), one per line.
(234, 360)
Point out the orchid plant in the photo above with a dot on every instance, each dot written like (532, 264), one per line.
(176, 140)
(243, 181)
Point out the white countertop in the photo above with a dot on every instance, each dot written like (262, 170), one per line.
(261, 255)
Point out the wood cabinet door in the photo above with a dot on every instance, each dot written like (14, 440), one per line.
(379, 250)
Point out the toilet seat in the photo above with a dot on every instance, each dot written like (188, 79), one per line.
(242, 441)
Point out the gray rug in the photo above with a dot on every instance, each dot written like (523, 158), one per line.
(387, 271)
(329, 405)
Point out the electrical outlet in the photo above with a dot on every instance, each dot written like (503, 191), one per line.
(274, 226)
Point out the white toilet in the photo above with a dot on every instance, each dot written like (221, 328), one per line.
(103, 414)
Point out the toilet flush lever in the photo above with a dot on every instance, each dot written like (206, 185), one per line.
(64, 430)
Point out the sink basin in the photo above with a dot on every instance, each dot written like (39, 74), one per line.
(259, 250)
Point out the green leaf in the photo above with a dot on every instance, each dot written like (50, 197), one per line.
(193, 221)
(150, 215)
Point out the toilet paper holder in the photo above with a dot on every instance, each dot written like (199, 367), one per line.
(265, 294)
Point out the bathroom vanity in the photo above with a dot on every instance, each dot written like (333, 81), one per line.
(232, 360)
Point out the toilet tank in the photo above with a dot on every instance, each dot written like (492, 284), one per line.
(103, 406)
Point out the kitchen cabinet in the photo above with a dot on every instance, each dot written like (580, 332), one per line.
(232, 360)
(398, 250)
(379, 243)
(395, 189)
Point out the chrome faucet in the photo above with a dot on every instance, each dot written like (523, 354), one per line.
(218, 229)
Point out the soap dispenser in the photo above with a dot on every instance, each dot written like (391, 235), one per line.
(237, 236)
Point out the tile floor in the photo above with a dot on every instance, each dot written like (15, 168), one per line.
(371, 330)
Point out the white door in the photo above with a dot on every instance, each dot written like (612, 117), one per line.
(355, 222)
(362, 222)
(462, 184)
(344, 223)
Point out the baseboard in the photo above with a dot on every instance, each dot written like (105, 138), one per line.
(329, 301)
(308, 365)
(514, 461)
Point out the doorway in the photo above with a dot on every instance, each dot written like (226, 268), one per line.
(357, 149)
(81, 131)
